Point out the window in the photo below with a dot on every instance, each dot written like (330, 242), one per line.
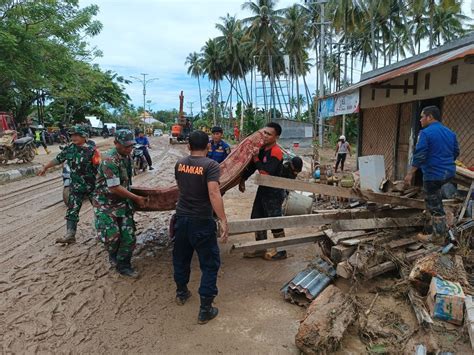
(427, 81)
(454, 75)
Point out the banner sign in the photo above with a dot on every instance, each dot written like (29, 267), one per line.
(339, 105)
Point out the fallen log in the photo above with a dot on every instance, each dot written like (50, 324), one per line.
(391, 265)
(344, 270)
(325, 322)
(377, 223)
(282, 183)
(276, 243)
(307, 220)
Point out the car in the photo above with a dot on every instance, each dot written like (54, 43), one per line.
(157, 132)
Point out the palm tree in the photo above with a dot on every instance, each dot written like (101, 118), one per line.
(213, 67)
(194, 61)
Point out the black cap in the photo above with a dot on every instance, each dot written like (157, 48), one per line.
(217, 129)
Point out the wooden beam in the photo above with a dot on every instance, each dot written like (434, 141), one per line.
(401, 242)
(282, 183)
(464, 205)
(340, 253)
(377, 223)
(336, 237)
(276, 243)
(308, 220)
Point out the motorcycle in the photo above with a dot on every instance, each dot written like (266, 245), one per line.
(138, 157)
(12, 148)
(105, 134)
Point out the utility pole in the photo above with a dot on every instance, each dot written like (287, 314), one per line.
(321, 73)
(144, 81)
(190, 105)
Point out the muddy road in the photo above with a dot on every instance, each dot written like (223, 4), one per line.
(66, 298)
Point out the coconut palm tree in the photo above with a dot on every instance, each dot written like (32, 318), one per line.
(194, 61)
(213, 67)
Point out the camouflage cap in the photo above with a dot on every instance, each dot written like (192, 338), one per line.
(79, 130)
(125, 137)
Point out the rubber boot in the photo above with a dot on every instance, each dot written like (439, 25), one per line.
(439, 229)
(182, 295)
(47, 151)
(70, 236)
(124, 268)
(36, 151)
(113, 259)
(274, 254)
(207, 311)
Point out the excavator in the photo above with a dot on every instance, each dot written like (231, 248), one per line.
(182, 129)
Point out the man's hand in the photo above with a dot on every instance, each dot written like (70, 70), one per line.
(141, 201)
(42, 172)
(242, 186)
(408, 179)
(224, 229)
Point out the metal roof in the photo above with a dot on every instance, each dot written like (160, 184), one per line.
(448, 53)
(311, 281)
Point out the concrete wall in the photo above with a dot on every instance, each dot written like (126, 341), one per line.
(295, 131)
(440, 78)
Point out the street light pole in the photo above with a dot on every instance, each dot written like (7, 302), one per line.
(144, 81)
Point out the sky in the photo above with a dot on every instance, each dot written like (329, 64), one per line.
(156, 36)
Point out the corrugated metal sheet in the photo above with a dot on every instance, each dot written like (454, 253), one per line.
(414, 67)
(310, 282)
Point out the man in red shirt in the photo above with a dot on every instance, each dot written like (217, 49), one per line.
(268, 201)
(236, 133)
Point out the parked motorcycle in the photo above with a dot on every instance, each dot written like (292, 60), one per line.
(139, 161)
(12, 148)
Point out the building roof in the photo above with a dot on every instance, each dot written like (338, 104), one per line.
(455, 50)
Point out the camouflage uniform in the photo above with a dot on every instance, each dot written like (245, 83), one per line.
(83, 162)
(114, 215)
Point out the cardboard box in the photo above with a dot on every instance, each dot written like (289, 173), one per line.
(446, 300)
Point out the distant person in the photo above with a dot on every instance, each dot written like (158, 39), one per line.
(196, 230)
(292, 168)
(435, 153)
(145, 143)
(236, 133)
(342, 149)
(40, 139)
(218, 148)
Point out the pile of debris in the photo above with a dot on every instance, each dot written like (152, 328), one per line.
(362, 235)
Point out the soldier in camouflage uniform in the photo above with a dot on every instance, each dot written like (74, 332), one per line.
(83, 158)
(113, 203)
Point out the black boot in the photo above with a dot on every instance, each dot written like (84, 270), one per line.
(113, 258)
(124, 267)
(206, 311)
(182, 295)
(70, 236)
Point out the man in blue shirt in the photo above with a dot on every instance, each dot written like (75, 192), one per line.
(141, 139)
(218, 149)
(435, 154)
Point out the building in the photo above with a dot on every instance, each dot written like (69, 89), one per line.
(391, 100)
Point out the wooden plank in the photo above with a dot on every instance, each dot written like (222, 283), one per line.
(466, 201)
(356, 241)
(377, 223)
(344, 270)
(309, 220)
(401, 242)
(336, 237)
(276, 243)
(289, 184)
(340, 253)
(465, 172)
(390, 265)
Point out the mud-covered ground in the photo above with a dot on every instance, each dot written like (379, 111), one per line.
(66, 298)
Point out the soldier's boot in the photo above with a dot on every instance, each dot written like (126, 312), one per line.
(47, 151)
(113, 258)
(70, 236)
(36, 151)
(438, 235)
(260, 235)
(124, 268)
(274, 254)
(207, 311)
(182, 294)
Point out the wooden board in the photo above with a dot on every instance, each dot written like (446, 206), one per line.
(401, 242)
(276, 243)
(308, 220)
(377, 223)
(336, 237)
(340, 253)
(328, 190)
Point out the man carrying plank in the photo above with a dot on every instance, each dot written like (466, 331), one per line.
(268, 200)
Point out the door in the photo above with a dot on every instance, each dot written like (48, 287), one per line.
(403, 140)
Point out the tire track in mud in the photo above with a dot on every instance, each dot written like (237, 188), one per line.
(59, 297)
